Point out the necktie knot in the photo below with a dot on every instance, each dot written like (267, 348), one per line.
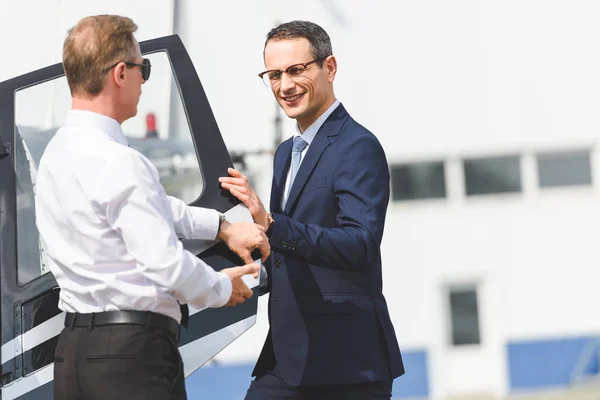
(299, 144)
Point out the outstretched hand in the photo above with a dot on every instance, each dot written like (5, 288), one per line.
(239, 291)
(243, 238)
(239, 186)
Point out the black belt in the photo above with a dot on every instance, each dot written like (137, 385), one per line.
(123, 317)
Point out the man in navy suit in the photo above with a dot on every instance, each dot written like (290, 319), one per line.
(330, 334)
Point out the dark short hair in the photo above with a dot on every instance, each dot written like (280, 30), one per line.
(317, 37)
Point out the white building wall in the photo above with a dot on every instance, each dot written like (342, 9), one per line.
(535, 261)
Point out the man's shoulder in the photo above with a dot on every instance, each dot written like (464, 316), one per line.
(353, 132)
(349, 127)
(128, 156)
(89, 142)
(355, 143)
(97, 149)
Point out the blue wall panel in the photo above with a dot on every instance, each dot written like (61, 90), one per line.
(227, 382)
(230, 382)
(415, 382)
(545, 363)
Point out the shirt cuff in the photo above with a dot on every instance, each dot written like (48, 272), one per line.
(223, 289)
(206, 223)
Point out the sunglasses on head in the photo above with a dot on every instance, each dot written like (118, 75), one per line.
(145, 67)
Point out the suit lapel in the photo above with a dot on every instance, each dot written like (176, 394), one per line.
(281, 165)
(331, 127)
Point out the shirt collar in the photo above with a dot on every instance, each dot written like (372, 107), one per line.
(310, 132)
(100, 122)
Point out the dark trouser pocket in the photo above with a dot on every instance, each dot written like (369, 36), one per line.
(177, 390)
(124, 362)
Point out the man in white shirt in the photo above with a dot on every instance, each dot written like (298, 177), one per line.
(112, 234)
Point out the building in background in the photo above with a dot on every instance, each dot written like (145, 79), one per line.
(488, 112)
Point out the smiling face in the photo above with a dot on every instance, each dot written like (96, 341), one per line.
(309, 96)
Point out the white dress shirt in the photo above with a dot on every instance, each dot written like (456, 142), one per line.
(308, 136)
(111, 232)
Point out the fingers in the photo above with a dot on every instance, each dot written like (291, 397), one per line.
(235, 173)
(264, 248)
(247, 293)
(239, 299)
(233, 181)
(240, 188)
(240, 292)
(244, 198)
(247, 258)
(250, 268)
(230, 186)
(237, 272)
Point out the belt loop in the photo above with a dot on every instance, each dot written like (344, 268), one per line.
(74, 315)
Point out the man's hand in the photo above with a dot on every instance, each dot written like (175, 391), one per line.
(239, 186)
(243, 237)
(239, 290)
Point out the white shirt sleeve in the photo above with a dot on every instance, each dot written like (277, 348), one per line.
(193, 222)
(138, 209)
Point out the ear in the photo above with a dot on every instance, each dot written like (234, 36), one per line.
(331, 68)
(118, 74)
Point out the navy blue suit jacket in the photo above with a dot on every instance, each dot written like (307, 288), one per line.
(329, 322)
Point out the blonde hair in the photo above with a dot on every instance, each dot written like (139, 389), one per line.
(92, 46)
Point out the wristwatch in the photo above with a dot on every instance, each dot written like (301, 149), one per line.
(221, 219)
(271, 222)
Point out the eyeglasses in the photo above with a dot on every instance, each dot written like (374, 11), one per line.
(145, 67)
(296, 72)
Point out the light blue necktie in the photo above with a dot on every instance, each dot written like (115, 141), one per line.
(299, 145)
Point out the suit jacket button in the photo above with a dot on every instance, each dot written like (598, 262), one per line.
(277, 263)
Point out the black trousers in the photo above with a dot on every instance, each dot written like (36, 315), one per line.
(118, 362)
(271, 387)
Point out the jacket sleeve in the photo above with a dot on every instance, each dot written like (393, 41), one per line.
(361, 185)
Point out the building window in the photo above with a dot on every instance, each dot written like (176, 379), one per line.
(414, 181)
(492, 175)
(464, 312)
(564, 169)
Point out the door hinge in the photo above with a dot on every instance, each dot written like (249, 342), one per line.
(18, 349)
